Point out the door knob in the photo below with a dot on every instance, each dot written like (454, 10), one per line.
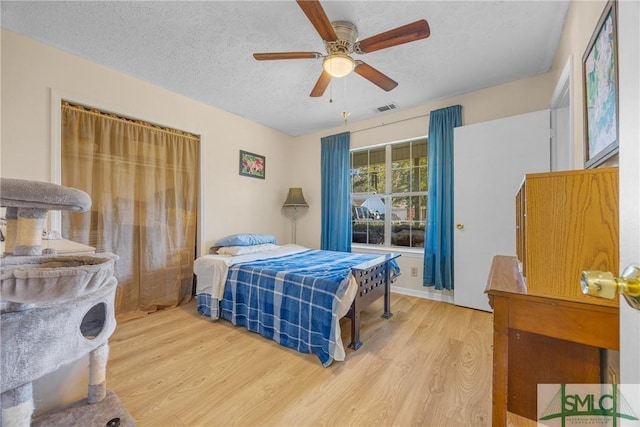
(459, 226)
(604, 284)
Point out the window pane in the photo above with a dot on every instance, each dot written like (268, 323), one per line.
(409, 163)
(360, 159)
(419, 178)
(376, 170)
(407, 194)
(367, 216)
(359, 179)
(376, 178)
(419, 149)
(400, 154)
(399, 208)
(408, 221)
(400, 180)
(368, 232)
(408, 234)
(375, 207)
(368, 171)
(419, 208)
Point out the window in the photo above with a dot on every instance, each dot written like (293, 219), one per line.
(389, 194)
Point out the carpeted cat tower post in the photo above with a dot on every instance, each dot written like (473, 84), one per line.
(53, 310)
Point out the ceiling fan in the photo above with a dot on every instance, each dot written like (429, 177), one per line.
(341, 40)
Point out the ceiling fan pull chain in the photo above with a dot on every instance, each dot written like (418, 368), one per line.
(345, 114)
(330, 92)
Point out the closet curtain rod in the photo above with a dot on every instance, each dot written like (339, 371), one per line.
(141, 123)
(391, 123)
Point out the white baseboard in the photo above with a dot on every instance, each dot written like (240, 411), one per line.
(443, 296)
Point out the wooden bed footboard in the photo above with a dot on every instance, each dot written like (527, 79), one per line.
(374, 281)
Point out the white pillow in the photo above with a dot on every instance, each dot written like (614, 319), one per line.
(243, 250)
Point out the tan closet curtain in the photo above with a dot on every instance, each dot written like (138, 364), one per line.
(143, 183)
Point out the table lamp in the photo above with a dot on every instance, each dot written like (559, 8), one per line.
(295, 200)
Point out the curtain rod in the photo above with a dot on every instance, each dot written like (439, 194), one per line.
(391, 123)
(141, 123)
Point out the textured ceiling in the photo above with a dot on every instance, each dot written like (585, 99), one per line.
(203, 50)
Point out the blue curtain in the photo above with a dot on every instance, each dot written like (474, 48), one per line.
(438, 251)
(336, 193)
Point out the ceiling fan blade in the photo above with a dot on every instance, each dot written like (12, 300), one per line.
(321, 84)
(315, 13)
(405, 34)
(286, 55)
(375, 76)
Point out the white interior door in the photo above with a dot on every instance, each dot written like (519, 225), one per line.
(629, 128)
(490, 161)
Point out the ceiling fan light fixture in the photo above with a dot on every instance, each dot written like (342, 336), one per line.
(338, 65)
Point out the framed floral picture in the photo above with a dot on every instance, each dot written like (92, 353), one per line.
(252, 165)
(600, 77)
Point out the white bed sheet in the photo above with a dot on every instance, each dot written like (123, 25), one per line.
(212, 269)
(212, 273)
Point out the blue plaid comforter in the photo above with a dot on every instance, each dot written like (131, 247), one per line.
(293, 299)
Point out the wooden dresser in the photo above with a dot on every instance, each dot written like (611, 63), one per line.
(545, 330)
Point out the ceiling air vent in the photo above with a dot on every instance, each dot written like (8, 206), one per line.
(387, 107)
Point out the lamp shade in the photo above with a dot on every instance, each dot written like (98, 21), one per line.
(295, 198)
(338, 65)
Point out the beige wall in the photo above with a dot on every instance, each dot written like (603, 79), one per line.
(32, 72)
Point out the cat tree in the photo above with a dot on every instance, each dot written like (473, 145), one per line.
(53, 310)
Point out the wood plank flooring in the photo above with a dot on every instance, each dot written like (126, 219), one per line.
(429, 365)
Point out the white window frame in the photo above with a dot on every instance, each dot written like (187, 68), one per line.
(386, 198)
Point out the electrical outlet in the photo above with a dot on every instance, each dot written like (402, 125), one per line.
(414, 271)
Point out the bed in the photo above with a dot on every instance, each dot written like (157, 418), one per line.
(292, 294)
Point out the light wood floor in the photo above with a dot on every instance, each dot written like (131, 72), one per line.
(429, 365)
